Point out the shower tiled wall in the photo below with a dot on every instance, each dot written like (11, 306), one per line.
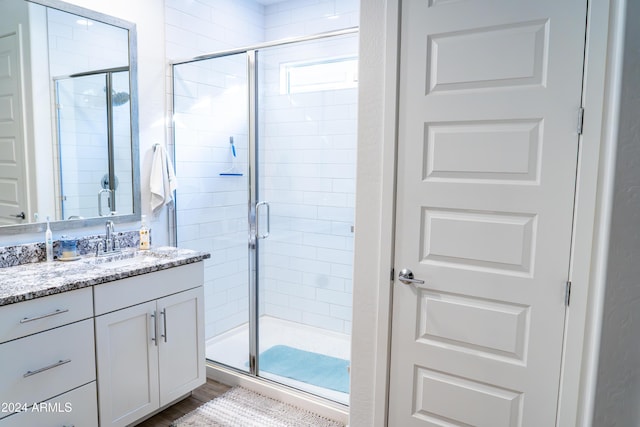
(308, 170)
(203, 26)
(308, 151)
(302, 17)
(309, 180)
(309, 142)
(212, 208)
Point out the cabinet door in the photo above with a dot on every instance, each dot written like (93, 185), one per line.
(181, 344)
(127, 357)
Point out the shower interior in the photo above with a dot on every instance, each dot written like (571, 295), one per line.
(282, 118)
(93, 122)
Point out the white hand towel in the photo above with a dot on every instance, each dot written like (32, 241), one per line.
(162, 181)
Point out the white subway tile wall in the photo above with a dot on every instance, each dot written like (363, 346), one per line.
(302, 17)
(211, 107)
(307, 155)
(196, 27)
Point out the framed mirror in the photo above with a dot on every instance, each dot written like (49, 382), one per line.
(68, 117)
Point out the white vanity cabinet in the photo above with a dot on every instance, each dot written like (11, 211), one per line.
(47, 352)
(149, 342)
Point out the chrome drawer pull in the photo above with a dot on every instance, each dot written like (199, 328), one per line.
(154, 329)
(31, 319)
(46, 368)
(164, 318)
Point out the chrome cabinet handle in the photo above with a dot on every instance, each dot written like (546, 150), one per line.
(265, 235)
(164, 324)
(406, 277)
(154, 328)
(21, 215)
(46, 368)
(31, 319)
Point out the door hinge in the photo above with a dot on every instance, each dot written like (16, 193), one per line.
(567, 293)
(580, 120)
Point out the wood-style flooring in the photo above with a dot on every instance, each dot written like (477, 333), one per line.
(201, 395)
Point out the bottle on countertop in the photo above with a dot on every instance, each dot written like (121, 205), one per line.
(48, 242)
(68, 248)
(144, 234)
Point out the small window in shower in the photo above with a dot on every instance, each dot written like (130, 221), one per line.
(331, 74)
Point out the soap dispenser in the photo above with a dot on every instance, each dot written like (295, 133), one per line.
(48, 242)
(144, 234)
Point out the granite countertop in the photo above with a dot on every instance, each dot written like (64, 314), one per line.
(28, 281)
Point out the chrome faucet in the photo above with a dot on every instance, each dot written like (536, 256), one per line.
(108, 240)
(110, 243)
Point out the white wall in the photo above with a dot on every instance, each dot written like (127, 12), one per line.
(618, 384)
(374, 213)
(293, 18)
(197, 27)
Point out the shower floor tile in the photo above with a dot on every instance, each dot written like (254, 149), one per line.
(232, 348)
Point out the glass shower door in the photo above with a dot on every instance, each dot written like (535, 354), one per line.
(211, 132)
(82, 143)
(306, 138)
(265, 153)
(121, 136)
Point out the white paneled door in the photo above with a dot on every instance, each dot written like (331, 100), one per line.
(13, 185)
(490, 93)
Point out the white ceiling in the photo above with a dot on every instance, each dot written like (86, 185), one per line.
(268, 2)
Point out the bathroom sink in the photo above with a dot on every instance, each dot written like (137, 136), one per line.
(126, 262)
(125, 259)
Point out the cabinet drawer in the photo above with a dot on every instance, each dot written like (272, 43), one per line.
(123, 293)
(38, 367)
(29, 317)
(77, 408)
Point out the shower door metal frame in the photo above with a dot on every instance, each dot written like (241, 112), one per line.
(252, 179)
(252, 53)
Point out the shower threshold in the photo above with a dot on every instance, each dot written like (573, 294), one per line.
(231, 349)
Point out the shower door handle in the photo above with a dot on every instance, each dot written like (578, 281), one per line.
(109, 192)
(268, 216)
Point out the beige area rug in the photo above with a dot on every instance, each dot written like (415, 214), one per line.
(240, 407)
